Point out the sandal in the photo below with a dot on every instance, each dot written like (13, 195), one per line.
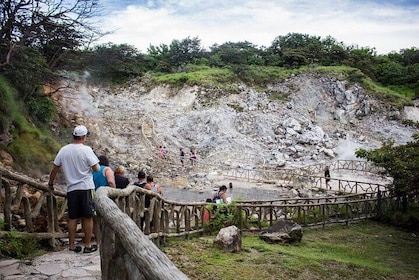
(87, 250)
(76, 249)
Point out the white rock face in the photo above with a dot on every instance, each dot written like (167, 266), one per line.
(248, 128)
(411, 113)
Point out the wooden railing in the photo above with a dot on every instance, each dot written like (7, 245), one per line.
(288, 176)
(34, 203)
(126, 252)
(126, 223)
(314, 212)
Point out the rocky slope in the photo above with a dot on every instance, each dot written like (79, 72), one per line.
(299, 121)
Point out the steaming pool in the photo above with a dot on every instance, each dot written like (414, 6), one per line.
(191, 195)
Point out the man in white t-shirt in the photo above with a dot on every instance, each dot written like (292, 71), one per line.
(77, 162)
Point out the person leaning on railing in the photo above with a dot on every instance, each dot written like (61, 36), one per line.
(120, 180)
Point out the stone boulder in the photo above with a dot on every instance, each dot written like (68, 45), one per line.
(282, 232)
(229, 239)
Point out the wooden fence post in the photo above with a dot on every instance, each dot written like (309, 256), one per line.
(7, 208)
(239, 208)
(50, 218)
(379, 204)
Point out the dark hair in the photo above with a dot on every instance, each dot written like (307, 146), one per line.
(103, 160)
(141, 174)
(223, 188)
(149, 179)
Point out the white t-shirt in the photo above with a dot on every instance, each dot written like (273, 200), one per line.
(76, 161)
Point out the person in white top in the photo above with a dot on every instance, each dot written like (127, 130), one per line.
(152, 186)
(77, 162)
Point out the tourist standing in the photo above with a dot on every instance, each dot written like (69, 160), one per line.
(141, 183)
(327, 177)
(121, 181)
(192, 157)
(153, 186)
(104, 177)
(181, 156)
(164, 152)
(77, 161)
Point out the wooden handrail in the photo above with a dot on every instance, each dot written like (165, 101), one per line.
(146, 260)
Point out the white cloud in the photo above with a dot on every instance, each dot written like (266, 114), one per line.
(385, 27)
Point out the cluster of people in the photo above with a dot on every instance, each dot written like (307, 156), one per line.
(84, 173)
(110, 178)
(163, 152)
(192, 157)
(147, 182)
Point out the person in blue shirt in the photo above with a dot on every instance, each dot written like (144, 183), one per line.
(105, 175)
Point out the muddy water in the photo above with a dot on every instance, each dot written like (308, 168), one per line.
(235, 193)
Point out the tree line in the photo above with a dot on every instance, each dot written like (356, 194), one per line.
(51, 35)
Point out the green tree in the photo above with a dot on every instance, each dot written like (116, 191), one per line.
(364, 58)
(400, 162)
(391, 73)
(334, 53)
(239, 53)
(51, 26)
(184, 51)
(179, 53)
(115, 63)
(34, 36)
(160, 57)
(297, 49)
(410, 56)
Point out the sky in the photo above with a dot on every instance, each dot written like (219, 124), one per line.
(381, 24)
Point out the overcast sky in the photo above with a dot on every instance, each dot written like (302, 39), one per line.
(384, 25)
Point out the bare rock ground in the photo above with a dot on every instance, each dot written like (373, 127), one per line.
(321, 119)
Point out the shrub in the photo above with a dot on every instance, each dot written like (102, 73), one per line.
(404, 219)
(15, 246)
(223, 215)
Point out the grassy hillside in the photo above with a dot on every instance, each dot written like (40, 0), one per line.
(260, 76)
(32, 148)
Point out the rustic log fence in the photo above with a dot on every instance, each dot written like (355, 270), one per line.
(126, 252)
(50, 207)
(128, 226)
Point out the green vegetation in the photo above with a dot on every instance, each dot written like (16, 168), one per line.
(204, 76)
(32, 148)
(366, 250)
(402, 163)
(15, 246)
